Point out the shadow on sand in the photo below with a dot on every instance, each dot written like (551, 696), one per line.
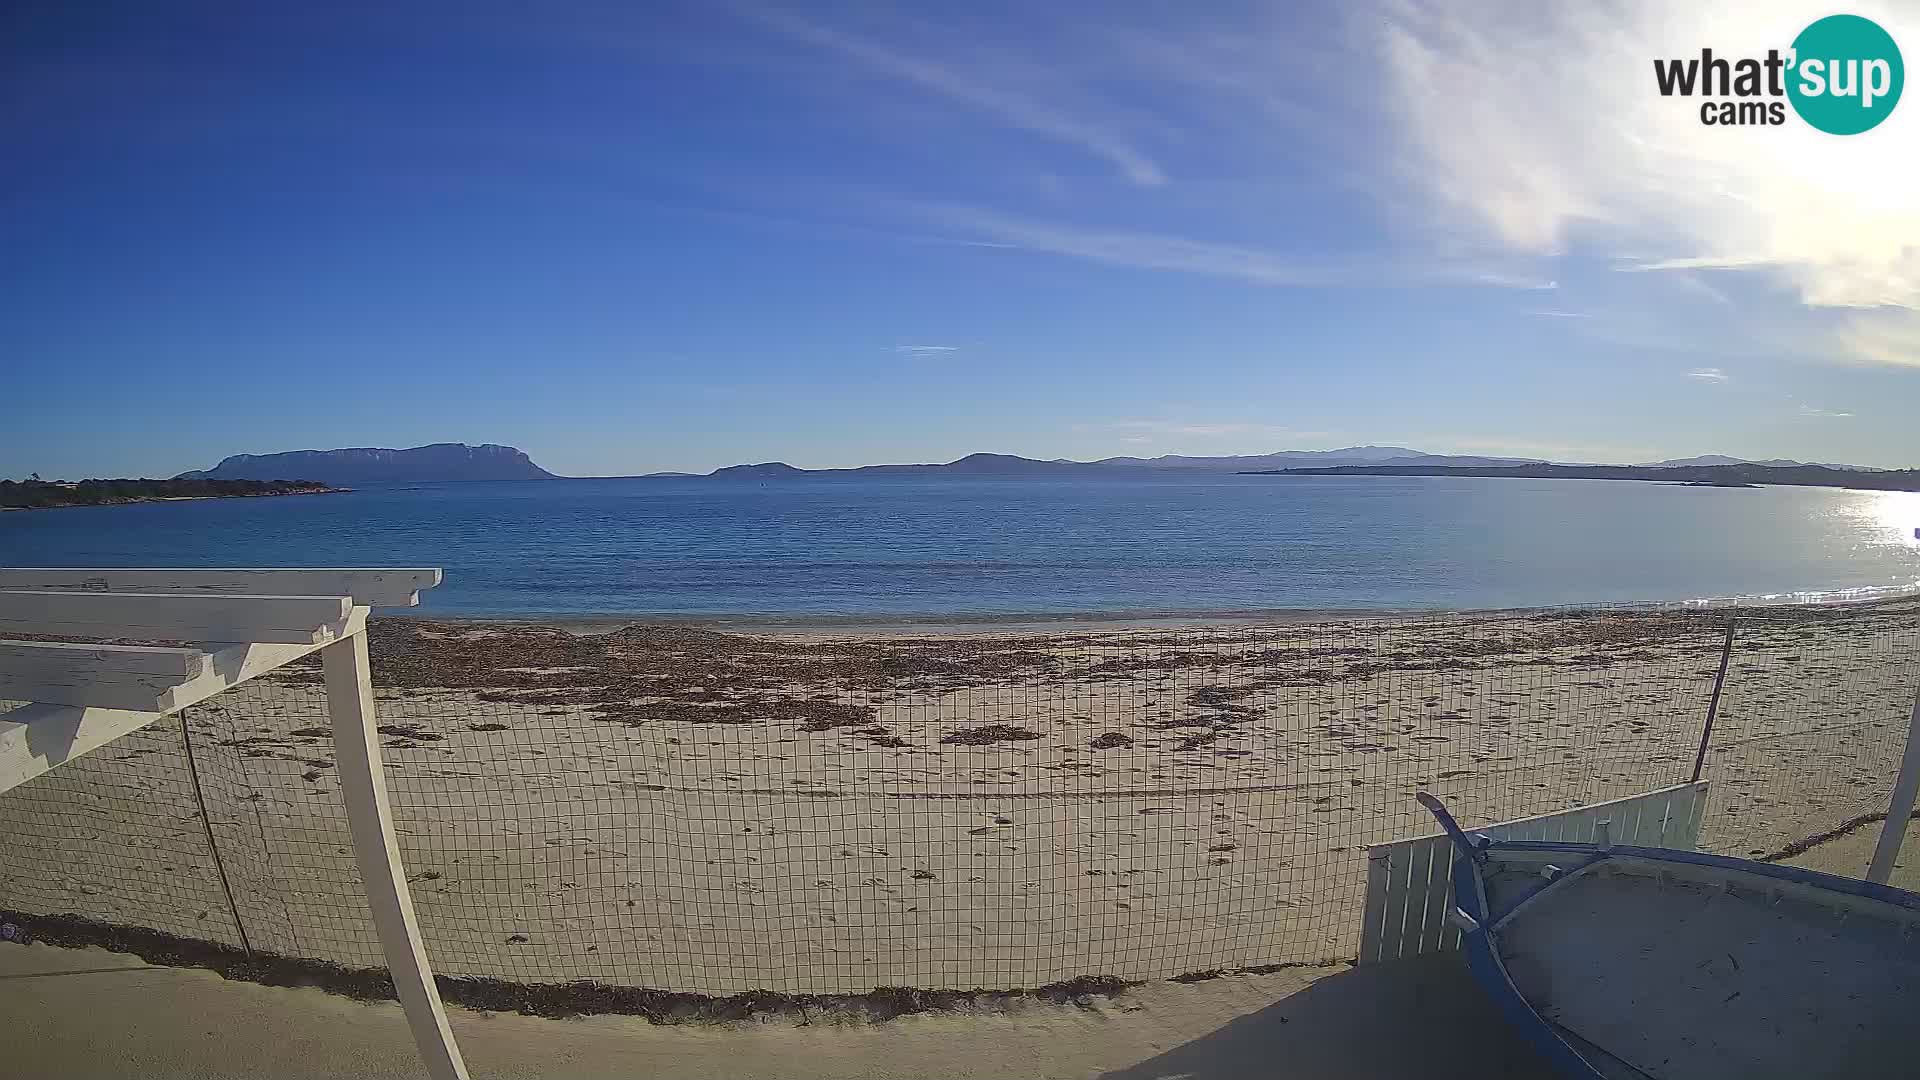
(1422, 1017)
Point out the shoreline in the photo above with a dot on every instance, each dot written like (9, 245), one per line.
(940, 625)
(136, 500)
(937, 624)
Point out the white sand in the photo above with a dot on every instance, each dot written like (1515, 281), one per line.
(726, 857)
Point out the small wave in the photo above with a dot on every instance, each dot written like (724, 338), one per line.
(1859, 594)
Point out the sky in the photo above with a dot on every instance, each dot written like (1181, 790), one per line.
(640, 237)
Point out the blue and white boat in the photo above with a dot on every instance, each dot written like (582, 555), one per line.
(1629, 963)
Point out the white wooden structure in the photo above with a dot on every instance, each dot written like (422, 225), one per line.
(1906, 786)
(229, 626)
(1410, 882)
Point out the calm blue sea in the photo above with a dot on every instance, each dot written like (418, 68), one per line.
(826, 547)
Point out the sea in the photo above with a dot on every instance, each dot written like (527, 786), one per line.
(850, 549)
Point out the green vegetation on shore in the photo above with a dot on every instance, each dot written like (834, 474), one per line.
(42, 494)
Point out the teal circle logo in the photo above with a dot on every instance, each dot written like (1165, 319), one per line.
(1847, 74)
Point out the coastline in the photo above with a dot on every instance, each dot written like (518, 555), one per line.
(954, 624)
(134, 499)
(1043, 623)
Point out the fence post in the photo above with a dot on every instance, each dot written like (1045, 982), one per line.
(363, 783)
(1713, 704)
(1901, 808)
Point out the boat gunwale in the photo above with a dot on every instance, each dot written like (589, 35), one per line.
(1480, 939)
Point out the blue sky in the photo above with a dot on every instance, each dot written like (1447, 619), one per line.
(638, 237)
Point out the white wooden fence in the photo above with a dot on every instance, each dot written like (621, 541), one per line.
(241, 624)
(1410, 882)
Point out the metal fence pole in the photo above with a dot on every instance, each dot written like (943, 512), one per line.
(206, 822)
(1713, 704)
(1901, 808)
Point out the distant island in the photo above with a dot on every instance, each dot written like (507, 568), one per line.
(1358, 458)
(440, 462)
(1014, 465)
(48, 494)
(370, 465)
(1742, 475)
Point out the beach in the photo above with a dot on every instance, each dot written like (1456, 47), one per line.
(708, 812)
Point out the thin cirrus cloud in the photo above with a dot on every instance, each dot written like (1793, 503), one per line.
(925, 350)
(1568, 148)
(1160, 251)
(1709, 375)
(1883, 335)
(1825, 414)
(974, 91)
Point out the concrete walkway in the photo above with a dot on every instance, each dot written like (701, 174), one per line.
(87, 1012)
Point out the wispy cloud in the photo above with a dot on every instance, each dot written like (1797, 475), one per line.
(1562, 314)
(1885, 335)
(1825, 414)
(1692, 283)
(1563, 146)
(971, 90)
(924, 350)
(1710, 375)
(1159, 251)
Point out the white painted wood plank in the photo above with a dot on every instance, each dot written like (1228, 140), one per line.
(1449, 933)
(1626, 826)
(1574, 828)
(36, 738)
(1666, 825)
(1906, 787)
(370, 818)
(1376, 908)
(373, 587)
(1433, 916)
(39, 659)
(1394, 906)
(1536, 827)
(1696, 809)
(106, 690)
(318, 636)
(172, 616)
(1413, 924)
(1674, 817)
(237, 663)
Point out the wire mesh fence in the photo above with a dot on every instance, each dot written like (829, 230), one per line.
(711, 813)
(1811, 727)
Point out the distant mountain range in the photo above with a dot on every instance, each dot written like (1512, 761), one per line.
(1011, 465)
(1722, 459)
(458, 461)
(369, 465)
(1743, 474)
(1385, 457)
